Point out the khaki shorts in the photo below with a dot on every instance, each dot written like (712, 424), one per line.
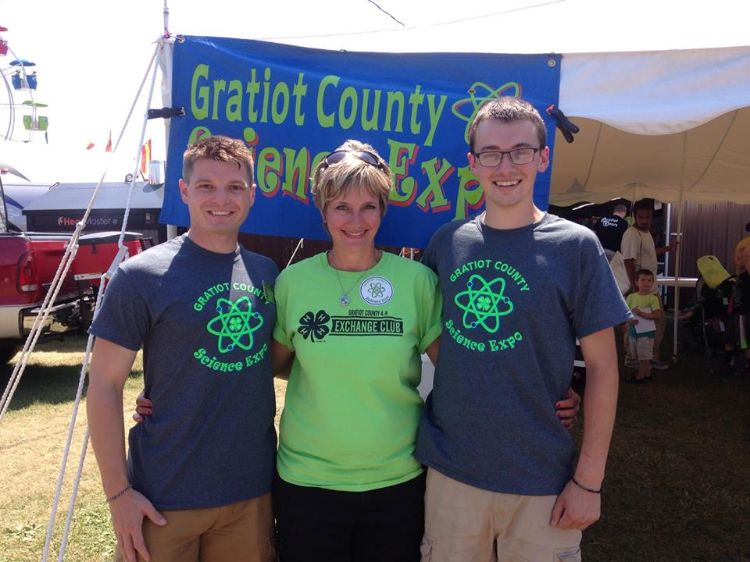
(641, 349)
(238, 532)
(468, 524)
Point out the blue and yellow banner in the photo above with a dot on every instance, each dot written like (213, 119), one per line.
(294, 105)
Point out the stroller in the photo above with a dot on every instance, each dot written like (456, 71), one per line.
(714, 292)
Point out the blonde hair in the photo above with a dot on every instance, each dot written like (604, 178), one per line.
(330, 181)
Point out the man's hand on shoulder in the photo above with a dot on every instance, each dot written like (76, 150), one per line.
(128, 512)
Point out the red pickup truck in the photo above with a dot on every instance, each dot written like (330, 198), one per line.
(28, 262)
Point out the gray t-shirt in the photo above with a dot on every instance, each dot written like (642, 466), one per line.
(204, 321)
(514, 302)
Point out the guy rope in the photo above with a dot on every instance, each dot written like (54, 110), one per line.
(55, 287)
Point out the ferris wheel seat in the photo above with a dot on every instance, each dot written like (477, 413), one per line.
(41, 123)
(28, 82)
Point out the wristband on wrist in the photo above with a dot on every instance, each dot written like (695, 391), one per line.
(582, 487)
(119, 494)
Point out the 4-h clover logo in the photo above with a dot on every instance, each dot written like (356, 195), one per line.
(234, 324)
(314, 325)
(483, 303)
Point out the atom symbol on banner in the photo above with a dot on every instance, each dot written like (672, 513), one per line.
(474, 102)
(235, 324)
(482, 307)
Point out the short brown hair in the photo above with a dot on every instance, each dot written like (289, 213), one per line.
(220, 149)
(508, 109)
(331, 181)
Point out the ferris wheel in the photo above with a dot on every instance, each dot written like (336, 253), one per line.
(19, 77)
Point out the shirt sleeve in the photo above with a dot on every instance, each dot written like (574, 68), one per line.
(598, 227)
(629, 300)
(281, 293)
(430, 305)
(123, 317)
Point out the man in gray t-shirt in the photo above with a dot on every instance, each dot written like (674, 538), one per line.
(202, 309)
(519, 286)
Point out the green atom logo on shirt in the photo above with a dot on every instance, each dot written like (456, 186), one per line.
(234, 324)
(484, 303)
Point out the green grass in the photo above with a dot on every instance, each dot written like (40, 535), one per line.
(678, 482)
(677, 487)
(32, 442)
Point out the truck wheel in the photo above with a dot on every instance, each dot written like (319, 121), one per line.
(7, 350)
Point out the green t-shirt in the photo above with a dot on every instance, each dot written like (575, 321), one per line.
(650, 301)
(352, 407)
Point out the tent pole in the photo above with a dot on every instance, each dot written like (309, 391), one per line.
(678, 251)
(678, 255)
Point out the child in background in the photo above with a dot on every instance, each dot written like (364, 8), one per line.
(644, 305)
(741, 309)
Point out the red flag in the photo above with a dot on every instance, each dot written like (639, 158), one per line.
(145, 157)
(108, 148)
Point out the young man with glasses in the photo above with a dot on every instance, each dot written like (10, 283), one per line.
(519, 285)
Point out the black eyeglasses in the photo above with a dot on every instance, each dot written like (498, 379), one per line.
(518, 156)
(364, 155)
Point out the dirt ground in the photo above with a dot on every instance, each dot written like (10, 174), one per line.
(678, 479)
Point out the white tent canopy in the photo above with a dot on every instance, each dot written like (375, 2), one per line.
(673, 125)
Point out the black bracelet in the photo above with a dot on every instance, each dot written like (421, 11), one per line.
(119, 494)
(582, 487)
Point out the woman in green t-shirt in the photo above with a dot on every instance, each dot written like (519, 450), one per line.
(355, 320)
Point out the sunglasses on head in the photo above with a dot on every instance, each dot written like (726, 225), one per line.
(364, 155)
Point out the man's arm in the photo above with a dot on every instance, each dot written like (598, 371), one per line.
(630, 268)
(576, 507)
(629, 246)
(656, 314)
(660, 250)
(281, 360)
(432, 350)
(110, 366)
